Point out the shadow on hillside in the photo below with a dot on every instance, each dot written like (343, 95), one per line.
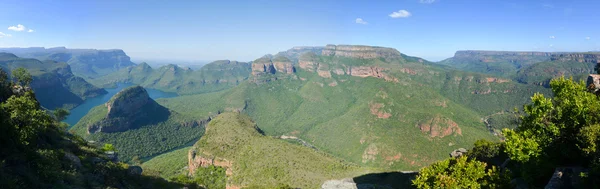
(389, 179)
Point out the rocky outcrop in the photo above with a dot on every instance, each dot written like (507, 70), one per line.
(283, 65)
(565, 177)
(360, 51)
(439, 127)
(577, 57)
(129, 109)
(370, 71)
(458, 152)
(196, 160)
(593, 83)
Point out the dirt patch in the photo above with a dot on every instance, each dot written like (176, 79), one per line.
(333, 84)
(440, 103)
(376, 109)
(439, 127)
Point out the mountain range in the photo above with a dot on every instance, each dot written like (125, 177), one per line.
(358, 109)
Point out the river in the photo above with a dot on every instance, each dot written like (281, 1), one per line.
(78, 112)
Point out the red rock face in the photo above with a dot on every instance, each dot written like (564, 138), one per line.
(439, 127)
(196, 160)
(309, 66)
(366, 71)
(284, 67)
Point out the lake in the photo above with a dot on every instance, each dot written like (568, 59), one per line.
(78, 112)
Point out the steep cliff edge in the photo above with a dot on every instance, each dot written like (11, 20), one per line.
(129, 109)
(360, 51)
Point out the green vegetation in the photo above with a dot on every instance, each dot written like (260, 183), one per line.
(458, 173)
(168, 164)
(262, 161)
(22, 76)
(541, 73)
(37, 153)
(145, 132)
(561, 131)
(54, 84)
(86, 63)
(215, 76)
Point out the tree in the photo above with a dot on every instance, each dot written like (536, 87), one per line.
(5, 86)
(108, 147)
(61, 114)
(560, 131)
(459, 172)
(22, 76)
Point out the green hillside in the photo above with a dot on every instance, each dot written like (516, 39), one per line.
(37, 153)
(218, 75)
(264, 162)
(541, 73)
(499, 63)
(138, 126)
(169, 164)
(87, 63)
(53, 82)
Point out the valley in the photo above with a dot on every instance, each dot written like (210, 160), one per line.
(357, 109)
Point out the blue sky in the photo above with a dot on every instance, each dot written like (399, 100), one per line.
(246, 30)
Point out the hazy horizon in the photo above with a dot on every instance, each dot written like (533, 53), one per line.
(244, 31)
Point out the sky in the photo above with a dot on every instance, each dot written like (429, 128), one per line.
(246, 30)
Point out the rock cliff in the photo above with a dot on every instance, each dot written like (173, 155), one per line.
(360, 51)
(578, 57)
(129, 109)
(267, 65)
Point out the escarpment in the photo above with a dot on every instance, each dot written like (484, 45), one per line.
(129, 109)
(266, 65)
(360, 51)
(578, 57)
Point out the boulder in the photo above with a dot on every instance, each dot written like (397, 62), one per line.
(135, 170)
(74, 159)
(593, 83)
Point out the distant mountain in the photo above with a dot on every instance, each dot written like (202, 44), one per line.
(294, 53)
(215, 76)
(137, 125)
(526, 67)
(88, 63)
(500, 63)
(53, 82)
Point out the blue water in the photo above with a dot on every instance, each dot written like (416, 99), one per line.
(78, 112)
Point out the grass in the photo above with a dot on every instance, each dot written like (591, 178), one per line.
(264, 162)
(168, 164)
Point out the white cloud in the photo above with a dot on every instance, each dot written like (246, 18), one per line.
(361, 21)
(30, 30)
(4, 35)
(551, 45)
(588, 38)
(552, 37)
(547, 5)
(427, 1)
(400, 14)
(19, 27)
